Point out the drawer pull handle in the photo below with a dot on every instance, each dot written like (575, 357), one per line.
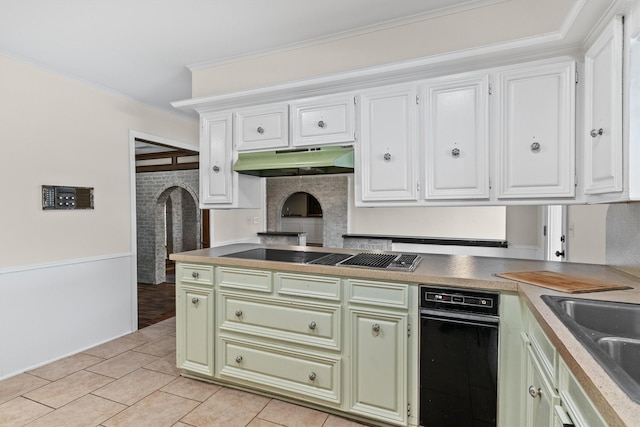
(594, 133)
(195, 274)
(194, 301)
(238, 359)
(535, 392)
(375, 328)
(238, 313)
(260, 130)
(312, 376)
(312, 325)
(321, 124)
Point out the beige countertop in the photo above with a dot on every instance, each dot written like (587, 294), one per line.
(479, 272)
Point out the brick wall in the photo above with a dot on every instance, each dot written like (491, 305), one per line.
(153, 190)
(330, 190)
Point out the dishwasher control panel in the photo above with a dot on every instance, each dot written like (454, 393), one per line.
(459, 299)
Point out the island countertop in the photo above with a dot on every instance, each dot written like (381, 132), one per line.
(480, 272)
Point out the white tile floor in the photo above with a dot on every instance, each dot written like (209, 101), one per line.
(133, 381)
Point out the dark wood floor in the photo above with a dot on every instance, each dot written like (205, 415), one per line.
(157, 302)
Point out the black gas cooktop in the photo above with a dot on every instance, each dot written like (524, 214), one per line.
(399, 262)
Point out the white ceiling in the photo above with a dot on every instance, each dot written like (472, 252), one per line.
(142, 48)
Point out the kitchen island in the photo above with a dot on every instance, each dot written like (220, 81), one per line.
(333, 351)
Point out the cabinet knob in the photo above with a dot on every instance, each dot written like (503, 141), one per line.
(321, 124)
(260, 130)
(312, 325)
(194, 301)
(195, 274)
(238, 313)
(594, 133)
(455, 153)
(216, 169)
(375, 328)
(312, 376)
(535, 391)
(560, 253)
(535, 147)
(238, 359)
(387, 156)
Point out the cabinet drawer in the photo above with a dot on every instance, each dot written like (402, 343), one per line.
(291, 372)
(262, 127)
(299, 323)
(382, 294)
(308, 286)
(245, 279)
(195, 273)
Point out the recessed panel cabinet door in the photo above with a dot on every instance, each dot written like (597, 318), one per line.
(456, 131)
(194, 305)
(535, 128)
(388, 149)
(603, 112)
(216, 159)
(379, 365)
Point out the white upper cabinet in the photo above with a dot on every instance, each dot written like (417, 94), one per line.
(535, 130)
(387, 154)
(220, 186)
(262, 127)
(456, 130)
(323, 120)
(603, 112)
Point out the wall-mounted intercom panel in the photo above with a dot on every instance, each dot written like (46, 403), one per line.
(59, 197)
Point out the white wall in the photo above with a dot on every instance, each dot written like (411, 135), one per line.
(60, 132)
(456, 222)
(587, 233)
(431, 36)
(67, 276)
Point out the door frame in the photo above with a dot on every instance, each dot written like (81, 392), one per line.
(556, 233)
(133, 135)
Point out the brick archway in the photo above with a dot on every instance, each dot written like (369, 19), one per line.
(330, 190)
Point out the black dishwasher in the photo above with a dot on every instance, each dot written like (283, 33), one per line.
(458, 357)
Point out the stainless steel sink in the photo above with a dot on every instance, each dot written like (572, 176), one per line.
(614, 318)
(610, 331)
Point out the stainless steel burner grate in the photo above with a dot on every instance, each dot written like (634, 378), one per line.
(370, 260)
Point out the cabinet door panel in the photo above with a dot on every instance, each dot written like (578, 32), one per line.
(216, 162)
(220, 186)
(603, 110)
(379, 365)
(195, 329)
(456, 130)
(388, 149)
(536, 131)
(539, 408)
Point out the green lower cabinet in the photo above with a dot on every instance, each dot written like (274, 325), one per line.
(194, 321)
(379, 365)
(552, 397)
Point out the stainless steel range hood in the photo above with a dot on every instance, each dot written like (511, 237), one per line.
(307, 161)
